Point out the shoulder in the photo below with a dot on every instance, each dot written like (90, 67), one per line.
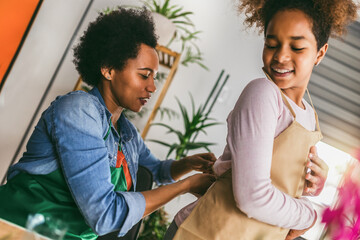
(261, 88)
(76, 98)
(260, 99)
(260, 92)
(77, 104)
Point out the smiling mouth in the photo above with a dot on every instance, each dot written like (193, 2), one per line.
(281, 71)
(143, 101)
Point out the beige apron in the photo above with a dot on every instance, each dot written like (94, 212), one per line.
(216, 216)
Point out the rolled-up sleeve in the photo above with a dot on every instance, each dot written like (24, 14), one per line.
(78, 135)
(136, 205)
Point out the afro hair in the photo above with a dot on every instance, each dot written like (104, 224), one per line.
(329, 17)
(111, 40)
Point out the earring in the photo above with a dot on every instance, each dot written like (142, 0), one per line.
(108, 77)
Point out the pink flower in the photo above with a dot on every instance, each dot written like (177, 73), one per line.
(343, 221)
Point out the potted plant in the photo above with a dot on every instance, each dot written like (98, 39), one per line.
(193, 125)
(155, 225)
(184, 30)
(173, 24)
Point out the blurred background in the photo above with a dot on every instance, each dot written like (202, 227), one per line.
(41, 69)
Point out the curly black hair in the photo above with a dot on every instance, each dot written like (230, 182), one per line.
(111, 40)
(328, 17)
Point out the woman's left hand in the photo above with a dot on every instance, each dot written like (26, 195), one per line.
(315, 180)
(202, 162)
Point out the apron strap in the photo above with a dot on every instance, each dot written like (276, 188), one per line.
(290, 108)
(287, 103)
(282, 95)
(316, 116)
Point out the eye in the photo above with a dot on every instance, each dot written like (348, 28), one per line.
(143, 76)
(297, 49)
(270, 46)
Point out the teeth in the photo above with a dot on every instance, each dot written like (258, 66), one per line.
(282, 70)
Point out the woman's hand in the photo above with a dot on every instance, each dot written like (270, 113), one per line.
(196, 184)
(202, 162)
(199, 183)
(315, 179)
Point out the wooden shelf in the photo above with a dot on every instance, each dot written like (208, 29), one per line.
(170, 60)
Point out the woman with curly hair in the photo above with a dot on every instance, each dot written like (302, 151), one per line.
(83, 156)
(262, 173)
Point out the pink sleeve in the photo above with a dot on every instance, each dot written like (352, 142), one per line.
(251, 130)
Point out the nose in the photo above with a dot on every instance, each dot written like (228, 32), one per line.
(282, 55)
(151, 85)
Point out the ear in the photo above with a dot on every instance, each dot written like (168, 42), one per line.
(321, 53)
(106, 72)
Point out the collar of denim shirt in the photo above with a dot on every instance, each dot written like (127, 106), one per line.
(123, 123)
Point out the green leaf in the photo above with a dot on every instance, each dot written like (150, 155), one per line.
(184, 114)
(172, 148)
(169, 112)
(170, 130)
(184, 14)
(159, 142)
(164, 8)
(157, 6)
(211, 124)
(183, 22)
(173, 14)
(196, 145)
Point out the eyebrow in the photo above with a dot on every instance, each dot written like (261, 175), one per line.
(293, 37)
(148, 69)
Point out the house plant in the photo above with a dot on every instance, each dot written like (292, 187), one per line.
(193, 125)
(185, 31)
(155, 225)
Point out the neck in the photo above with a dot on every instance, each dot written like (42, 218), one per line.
(110, 102)
(296, 96)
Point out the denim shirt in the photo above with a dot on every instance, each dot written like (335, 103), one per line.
(70, 135)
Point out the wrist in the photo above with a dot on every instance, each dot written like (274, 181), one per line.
(186, 164)
(184, 185)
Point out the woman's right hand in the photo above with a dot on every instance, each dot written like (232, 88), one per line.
(196, 184)
(199, 183)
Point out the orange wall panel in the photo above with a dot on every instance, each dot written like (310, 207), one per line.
(15, 20)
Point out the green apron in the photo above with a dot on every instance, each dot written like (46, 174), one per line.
(49, 194)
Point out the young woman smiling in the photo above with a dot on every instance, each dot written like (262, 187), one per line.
(262, 173)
